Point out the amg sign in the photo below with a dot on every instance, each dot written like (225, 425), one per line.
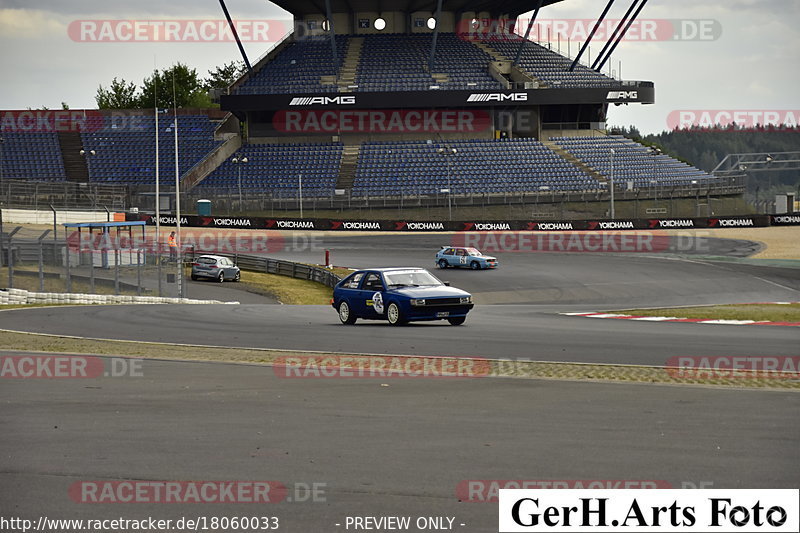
(498, 97)
(323, 100)
(622, 95)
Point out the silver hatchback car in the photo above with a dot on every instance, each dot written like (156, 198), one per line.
(215, 267)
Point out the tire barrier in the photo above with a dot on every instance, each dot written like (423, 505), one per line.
(23, 297)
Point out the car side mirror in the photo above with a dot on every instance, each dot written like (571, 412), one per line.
(446, 283)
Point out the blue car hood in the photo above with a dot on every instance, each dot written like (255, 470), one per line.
(441, 291)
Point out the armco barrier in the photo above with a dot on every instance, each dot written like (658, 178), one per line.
(413, 226)
(283, 268)
(19, 296)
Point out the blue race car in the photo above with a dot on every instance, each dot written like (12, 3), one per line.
(460, 256)
(399, 295)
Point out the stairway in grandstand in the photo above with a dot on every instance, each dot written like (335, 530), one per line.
(547, 65)
(75, 165)
(574, 160)
(497, 56)
(632, 162)
(347, 73)
(347, 169)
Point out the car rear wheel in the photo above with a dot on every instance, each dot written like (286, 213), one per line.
(394, 316)
(194, 278)
(442, 263)
(475, 265)
(457, 320)
(221, 277)
(345, 315)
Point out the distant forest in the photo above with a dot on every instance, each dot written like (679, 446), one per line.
(705, 148)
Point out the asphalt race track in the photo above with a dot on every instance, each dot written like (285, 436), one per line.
(403, 447)
(492, 331)
(528, 292)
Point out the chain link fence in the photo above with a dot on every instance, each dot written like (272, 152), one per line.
(28, 194)
(33, 260)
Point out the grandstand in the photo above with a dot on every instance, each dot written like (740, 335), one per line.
(631, 162)
(279, 168)
(550, 68)
(122, 150)
(299, 68)
(35, 155)
(360, 103)
(389, 168)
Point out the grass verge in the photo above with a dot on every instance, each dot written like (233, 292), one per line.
(287, 290)
(756, 312)
(473, 368)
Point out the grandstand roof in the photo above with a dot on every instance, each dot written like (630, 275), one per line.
(311, 7)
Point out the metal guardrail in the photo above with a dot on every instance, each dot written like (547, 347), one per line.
(281, 268)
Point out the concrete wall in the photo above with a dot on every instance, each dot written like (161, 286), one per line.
(396, 22)
(314, 24)
(211, 162)
(30, 216)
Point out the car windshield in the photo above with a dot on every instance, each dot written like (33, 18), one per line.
(411, 278)
(473, 251)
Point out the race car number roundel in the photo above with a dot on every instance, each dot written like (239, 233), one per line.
(377, 302)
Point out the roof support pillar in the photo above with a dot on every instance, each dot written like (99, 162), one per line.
(614, 35)
(627, 27)
(594, 30)
(236, 36)
(332, 32)
(435, 35)
(527, 32)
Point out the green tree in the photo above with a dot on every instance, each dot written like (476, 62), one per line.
(223, 76)
(119, 95)
(159, 87)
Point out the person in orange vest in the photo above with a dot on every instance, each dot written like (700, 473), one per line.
(173, 247)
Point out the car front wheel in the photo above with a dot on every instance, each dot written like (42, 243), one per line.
(394, 316)
(238, 276)
(475, 265)
(442, 263)
(345, 314)
(457, 321)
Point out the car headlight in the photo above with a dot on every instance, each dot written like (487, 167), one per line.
(466, 300)
(417, 302)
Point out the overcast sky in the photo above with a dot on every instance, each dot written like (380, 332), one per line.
(749, 61)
